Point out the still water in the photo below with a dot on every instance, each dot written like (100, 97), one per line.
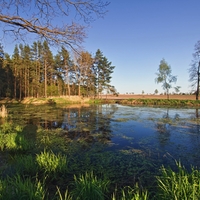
(127, 144)
(161, 133)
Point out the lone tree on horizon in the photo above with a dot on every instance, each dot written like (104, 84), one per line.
(194, 70)
(165, 77)
(60, 23)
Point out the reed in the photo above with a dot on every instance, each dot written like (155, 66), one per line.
(3, 111)
(23, 189)
(50, 162)
(25, 165)
(89, 187)
(179, 185)
(67, 195)
(132, 193)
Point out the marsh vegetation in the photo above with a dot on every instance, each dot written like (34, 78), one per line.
(99, 152)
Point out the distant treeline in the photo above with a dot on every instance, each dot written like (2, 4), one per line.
(33, 71)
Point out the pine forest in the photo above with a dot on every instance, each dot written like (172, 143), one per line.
(34, 71)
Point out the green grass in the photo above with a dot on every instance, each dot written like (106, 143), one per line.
(22, 189)
(179, 185)
(50, 162)
(132, 193)
(89, 187)
(68, 173)
(25, 164)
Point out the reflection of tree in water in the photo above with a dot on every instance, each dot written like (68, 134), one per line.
(164, 127)
(89, 124)
(194, 126)
(197, 113)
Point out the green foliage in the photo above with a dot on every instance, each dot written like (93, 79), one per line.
(73, 168)
(67, 195)
(46, 75)
(13, 139)
(25, 165)
(179, 185)
(164, 76)
(89, 187)
(103, 70)
(50, 162)
(129, 193)
(21, 188)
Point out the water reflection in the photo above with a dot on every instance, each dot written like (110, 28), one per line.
(165, 125)
(155, 132)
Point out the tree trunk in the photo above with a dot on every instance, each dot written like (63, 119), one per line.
(45, 79)
(198, 74)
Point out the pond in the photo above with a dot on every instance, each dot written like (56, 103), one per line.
(126, 143)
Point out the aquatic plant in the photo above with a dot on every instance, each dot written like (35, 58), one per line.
(89, 187)
(178, 185)
(67, 195)
(21, 188)
(50, 162)
(134, 193)
(25, 164)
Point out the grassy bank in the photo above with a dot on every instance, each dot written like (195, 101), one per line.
(127, 101)
(154, 102)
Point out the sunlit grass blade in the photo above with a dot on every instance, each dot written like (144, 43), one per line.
(67, 195)
(89, 187)
(50, 162)
(23, 189)
(179, 185)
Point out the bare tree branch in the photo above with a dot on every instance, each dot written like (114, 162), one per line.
(58, 21)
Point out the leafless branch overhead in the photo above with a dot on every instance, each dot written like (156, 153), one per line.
(60, 22)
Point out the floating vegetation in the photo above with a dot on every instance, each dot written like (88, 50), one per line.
(132, 151)
(122, 119)
(77, 149)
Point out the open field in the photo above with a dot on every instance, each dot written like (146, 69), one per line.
(132, 96)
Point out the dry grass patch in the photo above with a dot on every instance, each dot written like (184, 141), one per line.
(3, 111)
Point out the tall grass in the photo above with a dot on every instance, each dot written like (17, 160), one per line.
(132, 193)
(67, 195)
(25, 165)
(179, 185)
(89, 187)
(50, 162)
(23, 189)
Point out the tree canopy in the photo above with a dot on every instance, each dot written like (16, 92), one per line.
(59, 22)
(34, 71)
(165, 77)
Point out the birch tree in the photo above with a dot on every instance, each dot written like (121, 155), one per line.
(165, 76)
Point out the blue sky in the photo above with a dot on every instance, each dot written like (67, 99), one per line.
(135, 35)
